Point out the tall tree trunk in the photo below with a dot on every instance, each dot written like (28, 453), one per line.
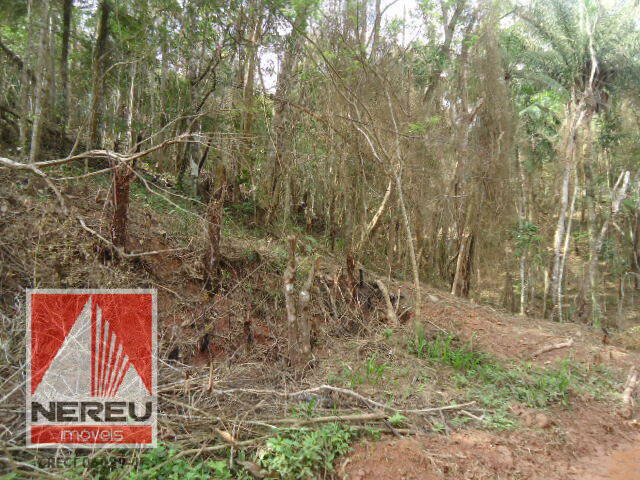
(375, 34)
(412, 250)
(131, 108)
(561, 227)
(41, 80)
(250, 73)
(51, 98)
(464, 265)
(588, 300)
(559, 237)
(67, 8)
(214, 218)
(26, 80)
(282, 129)
(98, 73)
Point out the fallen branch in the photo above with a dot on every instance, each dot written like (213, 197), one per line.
(119, 250)
(33, 168)
(364, 417)
(555, 346)
(367, 401)
(223, 435)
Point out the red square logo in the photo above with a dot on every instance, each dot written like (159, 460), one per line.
(91, 368)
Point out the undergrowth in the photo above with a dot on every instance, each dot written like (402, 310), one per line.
(496, 386)
(372, 372)
(291, 454)
(305, 453)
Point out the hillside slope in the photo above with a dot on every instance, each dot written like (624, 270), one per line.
(465, 397)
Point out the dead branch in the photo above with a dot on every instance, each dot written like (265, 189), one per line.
(119, 250)
(110, 154)
(555, 346)
(32, 167)
(366, 401)
(374, 221)
(363, 417)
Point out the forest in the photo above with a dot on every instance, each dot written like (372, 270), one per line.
(410, 219)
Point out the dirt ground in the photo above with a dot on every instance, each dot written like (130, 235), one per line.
(586, 443)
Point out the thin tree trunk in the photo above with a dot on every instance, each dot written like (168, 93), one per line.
(371, 226)
(41, 80)
(98, 80)
(523, 284)
(26, 80)
(559, 237)
(412, 252)
(281, 123)
(561, 227)
(375, 34)
(290, 303)
(405, 219)
(304, 325)
(545, 295)
(130, 108)
(566, 242)
(67, 8)
(589, 288)
(215, 212)
(523, 213)
(51, 98)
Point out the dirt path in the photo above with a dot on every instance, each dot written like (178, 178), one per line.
(411, 459)
(622, 464)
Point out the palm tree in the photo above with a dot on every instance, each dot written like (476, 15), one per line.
(587, 54)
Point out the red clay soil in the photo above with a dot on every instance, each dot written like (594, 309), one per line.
(623, 464)
(510, 336)
(584, 443)
(588, 441)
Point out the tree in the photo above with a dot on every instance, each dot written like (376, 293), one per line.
(41, 81)
(98, 72)
(582, 49)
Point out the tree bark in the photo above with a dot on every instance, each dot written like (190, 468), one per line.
(98, 73)
(41, 80)
(464, 266)
(588, 300)
(561, 226)
(67, 8)
(215, 216)
(122, 176)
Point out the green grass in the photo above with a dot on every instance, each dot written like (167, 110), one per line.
(495, 385)
(371, 372)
